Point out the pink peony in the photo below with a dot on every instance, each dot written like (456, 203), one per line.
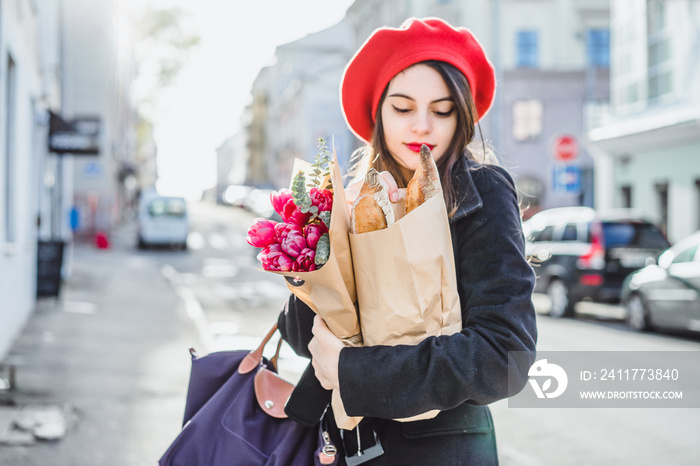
(272, 258)
(291, 214)
(321, 198)
(279, 199)
(305, 261)
(261, 234)
(283, 229)
(313, 232)
(294, 243)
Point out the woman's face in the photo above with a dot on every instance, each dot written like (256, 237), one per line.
(418, 109)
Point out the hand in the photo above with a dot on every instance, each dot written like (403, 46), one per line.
(387, 181)
(325, 353)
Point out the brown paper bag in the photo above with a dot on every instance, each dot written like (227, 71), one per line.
(406, 285)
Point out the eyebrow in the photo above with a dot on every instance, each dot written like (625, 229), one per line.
(450, 99)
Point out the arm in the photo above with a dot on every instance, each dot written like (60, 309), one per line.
(495, 285)
(309, 399)
(295, 323)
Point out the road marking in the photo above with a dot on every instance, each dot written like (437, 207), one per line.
(79, 307)
(196, 313)
(218, 268)
(169, 272)
(192, 306)
(217, 241)
(195, 240)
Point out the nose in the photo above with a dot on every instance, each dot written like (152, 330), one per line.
(421, 123)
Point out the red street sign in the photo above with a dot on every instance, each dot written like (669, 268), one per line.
(565, 148)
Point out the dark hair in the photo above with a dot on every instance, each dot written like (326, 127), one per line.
(381, 159)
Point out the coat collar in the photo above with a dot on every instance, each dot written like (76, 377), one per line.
(465, 189)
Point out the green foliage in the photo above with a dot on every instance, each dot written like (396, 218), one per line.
(326, 218)
(323, 250)
(320, 166)
(299, 194)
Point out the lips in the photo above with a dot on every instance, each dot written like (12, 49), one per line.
(415, 146)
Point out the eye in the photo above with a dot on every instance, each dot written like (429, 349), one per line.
(401, 110)
(445, 114)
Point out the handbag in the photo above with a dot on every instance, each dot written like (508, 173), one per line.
(234, 415)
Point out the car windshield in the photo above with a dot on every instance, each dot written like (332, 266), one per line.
(167, 208)
(633, 235)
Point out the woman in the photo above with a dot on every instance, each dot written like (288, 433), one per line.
(428, 83)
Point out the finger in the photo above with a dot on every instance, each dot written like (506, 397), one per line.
(390, 185)
(352, 191)
(317, 323)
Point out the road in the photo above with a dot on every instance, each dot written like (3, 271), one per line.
(130, 379)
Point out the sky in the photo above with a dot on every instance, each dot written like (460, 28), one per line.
(205, 104)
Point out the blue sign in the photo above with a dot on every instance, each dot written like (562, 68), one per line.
(92, 169)
(566, 179)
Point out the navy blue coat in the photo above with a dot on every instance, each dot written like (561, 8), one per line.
(458, 374)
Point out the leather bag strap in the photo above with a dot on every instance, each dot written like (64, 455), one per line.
(271, 391)
(254, 358)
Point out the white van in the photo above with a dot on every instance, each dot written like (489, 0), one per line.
(162, 221)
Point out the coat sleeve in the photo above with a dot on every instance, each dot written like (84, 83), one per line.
(495, 287)
(295, 323)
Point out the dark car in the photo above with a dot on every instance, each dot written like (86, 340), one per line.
(579, 253)
(666, 295)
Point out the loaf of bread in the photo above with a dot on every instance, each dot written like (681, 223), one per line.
(425, 182)
(372, 210)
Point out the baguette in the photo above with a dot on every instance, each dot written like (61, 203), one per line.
(425, 182)
(371, 210)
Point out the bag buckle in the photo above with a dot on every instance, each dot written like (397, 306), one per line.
(362, 456)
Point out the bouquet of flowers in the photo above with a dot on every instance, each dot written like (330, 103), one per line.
(300, 243)
(310, 246)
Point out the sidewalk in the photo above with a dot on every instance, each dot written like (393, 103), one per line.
(103, 371)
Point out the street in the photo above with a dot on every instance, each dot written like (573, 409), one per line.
(114, 353)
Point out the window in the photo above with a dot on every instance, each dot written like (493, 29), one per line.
(570, 233)
(686, 255)
(626, 192)
(527, 49)
(167, 208)
(527, 119)
(633, 235)
(543, 235)
(697, 200)
(598, 44)
(659, 53)
(662, 204)
(660, 84)
(10, 198)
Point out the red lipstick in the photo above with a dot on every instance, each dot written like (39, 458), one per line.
(415, 146)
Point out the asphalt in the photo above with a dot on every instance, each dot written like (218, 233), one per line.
(100, 373)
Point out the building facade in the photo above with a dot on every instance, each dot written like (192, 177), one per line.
(648, 153)
(56, 57)
(296, 101)
(29, 79)
(96, 79)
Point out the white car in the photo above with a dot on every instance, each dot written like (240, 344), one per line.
(163, 221)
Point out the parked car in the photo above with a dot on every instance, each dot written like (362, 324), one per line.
(162, 220)
(666, 295)
(578, 253)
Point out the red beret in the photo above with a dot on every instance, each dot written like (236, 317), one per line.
(389, 51)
